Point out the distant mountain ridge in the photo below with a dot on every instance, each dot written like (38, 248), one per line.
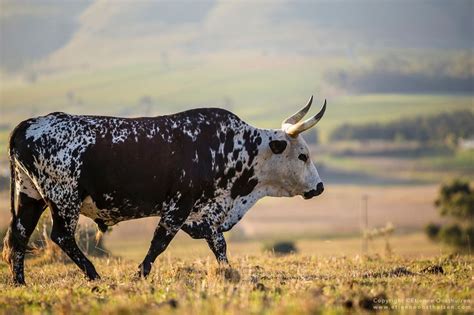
(86, 34)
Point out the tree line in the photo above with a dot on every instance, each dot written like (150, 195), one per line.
(444, 127)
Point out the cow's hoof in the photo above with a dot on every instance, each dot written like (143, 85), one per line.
(143, 271)
(140, 274)
(19, 282)
(93, 277)
(228, 273)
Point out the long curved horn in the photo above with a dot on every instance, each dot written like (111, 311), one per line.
(296, 129)
(296, 117)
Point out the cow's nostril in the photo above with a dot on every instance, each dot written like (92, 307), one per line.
(314, 192)
(319, 189)
(309, 194)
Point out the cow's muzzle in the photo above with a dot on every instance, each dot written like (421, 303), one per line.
(314, 192)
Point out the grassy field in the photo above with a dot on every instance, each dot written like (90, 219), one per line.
(256, 284)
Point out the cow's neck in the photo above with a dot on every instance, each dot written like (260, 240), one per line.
(264, 187)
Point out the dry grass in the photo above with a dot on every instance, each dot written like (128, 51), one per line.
(263, 284)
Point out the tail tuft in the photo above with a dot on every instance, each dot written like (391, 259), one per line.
(9, 240)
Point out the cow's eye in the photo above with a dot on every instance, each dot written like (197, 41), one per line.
(303, 157)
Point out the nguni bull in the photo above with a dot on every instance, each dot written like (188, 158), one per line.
(199, 170)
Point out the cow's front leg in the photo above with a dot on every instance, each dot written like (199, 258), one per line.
(215, 239)
(217, 244)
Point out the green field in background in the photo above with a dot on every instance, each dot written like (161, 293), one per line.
(260, 95)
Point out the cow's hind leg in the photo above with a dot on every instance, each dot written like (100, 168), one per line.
(170, 223)
(161, 239)
(28, 212)
(167, 228)
(64, 226)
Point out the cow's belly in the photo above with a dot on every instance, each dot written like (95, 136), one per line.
(224, 216)
(112, 215)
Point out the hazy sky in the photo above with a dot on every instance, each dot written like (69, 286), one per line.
(67, 31)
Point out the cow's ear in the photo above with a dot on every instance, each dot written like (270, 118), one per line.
(278, 146)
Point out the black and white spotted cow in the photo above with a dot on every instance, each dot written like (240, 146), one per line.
(198, 170)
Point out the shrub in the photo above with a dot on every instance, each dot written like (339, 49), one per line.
(468, 236)
(455, 200)
(451, 234)
(282, 247)
(432, 230)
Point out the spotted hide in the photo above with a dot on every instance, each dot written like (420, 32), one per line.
(198, 170)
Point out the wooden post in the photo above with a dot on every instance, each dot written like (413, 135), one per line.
(364, 223)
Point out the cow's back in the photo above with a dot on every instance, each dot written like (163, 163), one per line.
(128, 164)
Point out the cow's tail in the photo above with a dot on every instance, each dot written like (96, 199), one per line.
(101, 229)
(12, 182)
(12, 240)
